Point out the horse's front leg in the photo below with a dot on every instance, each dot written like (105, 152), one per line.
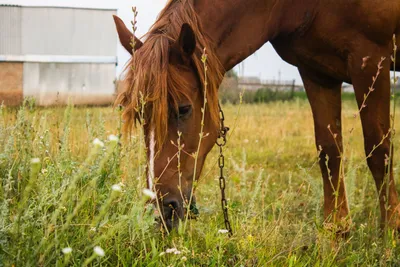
(324, 95)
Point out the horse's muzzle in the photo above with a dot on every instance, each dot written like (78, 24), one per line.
(173, 212)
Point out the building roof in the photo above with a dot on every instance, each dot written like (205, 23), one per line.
(62, 7)
(9, 5)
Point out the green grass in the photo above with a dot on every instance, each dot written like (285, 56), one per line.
(274, 190)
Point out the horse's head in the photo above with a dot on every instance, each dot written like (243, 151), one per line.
(166, 91)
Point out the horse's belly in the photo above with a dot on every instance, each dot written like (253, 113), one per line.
(311, 54)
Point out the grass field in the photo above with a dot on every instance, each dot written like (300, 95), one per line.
(65, 201)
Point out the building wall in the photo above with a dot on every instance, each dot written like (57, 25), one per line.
(10, 30)
(11, 77)
(57, 31)
(57, 83)
(68, 31)
(63, 53)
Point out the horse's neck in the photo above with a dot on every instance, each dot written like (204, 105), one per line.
(238, 27)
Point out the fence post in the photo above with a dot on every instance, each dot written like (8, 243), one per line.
(293, 87)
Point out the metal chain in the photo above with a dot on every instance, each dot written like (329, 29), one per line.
(221, 142)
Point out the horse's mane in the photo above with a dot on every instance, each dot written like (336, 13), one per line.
(150, 77)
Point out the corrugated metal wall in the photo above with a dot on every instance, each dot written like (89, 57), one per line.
(67, 53)
(55, 83)
(10, 30)
(68, 31)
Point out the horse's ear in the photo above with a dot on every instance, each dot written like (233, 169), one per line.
(185, 44)
(125, 36)
(187, 40)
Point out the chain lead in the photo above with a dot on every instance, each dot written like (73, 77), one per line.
(221, 142)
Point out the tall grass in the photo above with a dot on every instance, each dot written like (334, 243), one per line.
(65, 198)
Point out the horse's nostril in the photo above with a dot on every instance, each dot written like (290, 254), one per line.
(171, 213)
(171, 209)
(171, 204)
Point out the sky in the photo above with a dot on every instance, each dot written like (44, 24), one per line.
(265, 63)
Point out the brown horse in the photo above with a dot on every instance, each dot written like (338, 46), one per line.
(330, 41)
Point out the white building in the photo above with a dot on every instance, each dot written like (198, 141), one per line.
(57, 54)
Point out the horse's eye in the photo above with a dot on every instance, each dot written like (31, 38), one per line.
(184, 111)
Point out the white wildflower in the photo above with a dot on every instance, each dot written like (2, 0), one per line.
(113, 138)
(67, 250)
(35, 161)
(99, 251)
(222, 231)
(171, 250)
(116, 188)
(177, 252)
(149, 193)
(98, 143)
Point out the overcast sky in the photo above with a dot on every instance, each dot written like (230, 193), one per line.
(265, 63)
